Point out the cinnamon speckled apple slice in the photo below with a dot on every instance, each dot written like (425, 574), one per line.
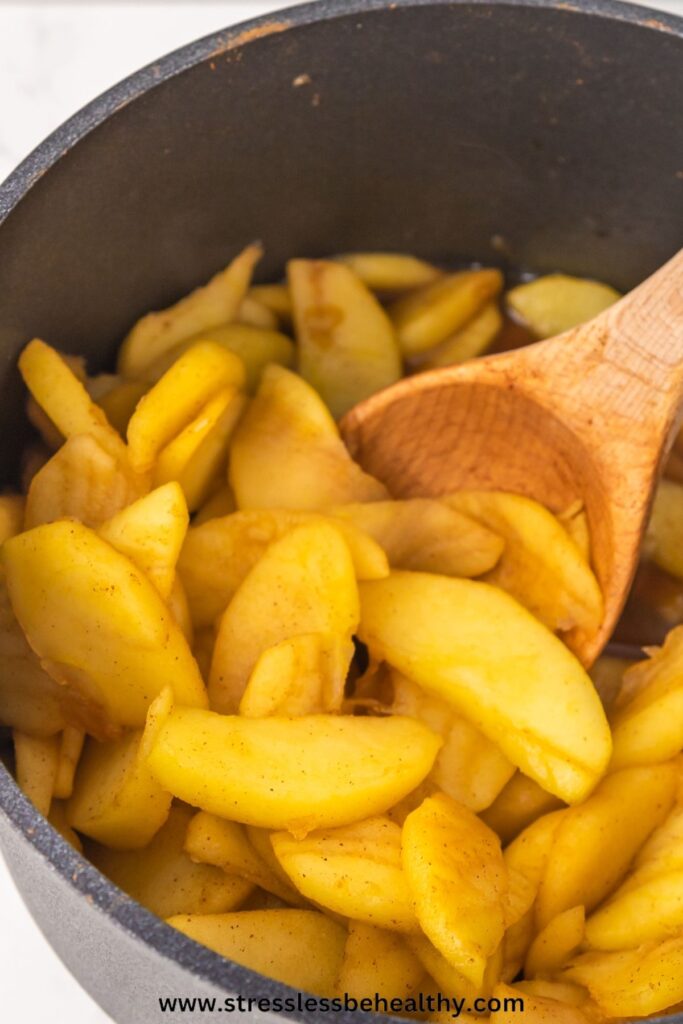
(477, 648)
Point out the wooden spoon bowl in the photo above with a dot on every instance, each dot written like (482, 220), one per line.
(588, 415)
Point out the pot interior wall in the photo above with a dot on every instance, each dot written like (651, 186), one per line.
(527, 136)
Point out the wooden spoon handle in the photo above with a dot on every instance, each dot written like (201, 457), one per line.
(618, 380)
(645, 330)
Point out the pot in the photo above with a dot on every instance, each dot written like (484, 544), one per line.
(526, 133)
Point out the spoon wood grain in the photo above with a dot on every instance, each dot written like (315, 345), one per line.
(589, 415)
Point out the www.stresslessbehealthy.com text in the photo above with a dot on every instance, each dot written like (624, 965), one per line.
(422, 1003)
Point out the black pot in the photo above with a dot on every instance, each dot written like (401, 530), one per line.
(525, 133)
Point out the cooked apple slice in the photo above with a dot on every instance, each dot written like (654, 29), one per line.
(116, 798)
(63, 397)
(428, 316)
(470, 341)
(287, 452)
(663, 852)
(518, 805)
(449, 980)
(98, 624)
(469, 767)
(597, 840)
(347, 346)
(70, 750)
(635, 982)
(36, 761)
(304, 583)
(647, 721)
(90, 476)
(388, 272)
(528, 853)
(648, 905)
(163, 877)
(225, 844)
(455, 871)
(556, 944)
(541, 565)
(426, 536)
(253, 313)
(552, 304)
(379, 962)
(477, 648)
(645, 910)
(302, 675)
(260, 839)
(256, 347)
(561, 991)
(30, 700)
(214, 304)
(274, 297)
(525, 859)
(575, 521)
(120, 402)
(218, 555)
(178, 397)
(151, 532)
(301, 948)
(180, 609)
(511, 1002)
(83, 480)
(316, 771)
(198, 456)
(354, 871)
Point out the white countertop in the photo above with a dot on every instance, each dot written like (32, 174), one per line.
(54, 57)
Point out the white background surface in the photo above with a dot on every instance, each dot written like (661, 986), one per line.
(54, 57)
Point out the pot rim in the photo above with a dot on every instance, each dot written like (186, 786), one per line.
(60, 857)
(41, 159)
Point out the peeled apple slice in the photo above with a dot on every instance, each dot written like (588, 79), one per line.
(596, 841)
(302, 675)
(219, 554)
(633, 982)
(176, 399)
(347, 345)
(379, 961)
(297, 774)
(455, 870)
(116, 798)
(165, 880)
(98, 624)
(426, 535)
(287, 452)
(301, 948)
(355, 871)
(541, 565)
(552, 304)
(478, 649)
(426, 317)
(390, 271)
(215, 303)
(151, 532)
(304, 583)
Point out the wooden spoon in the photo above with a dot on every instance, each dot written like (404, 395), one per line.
(589, 415)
